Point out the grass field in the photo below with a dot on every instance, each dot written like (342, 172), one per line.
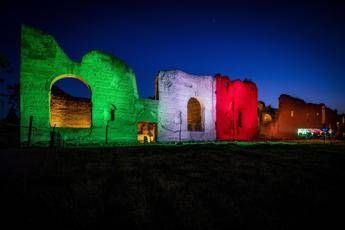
(199, 186)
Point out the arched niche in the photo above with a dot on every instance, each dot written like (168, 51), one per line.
(195, 118)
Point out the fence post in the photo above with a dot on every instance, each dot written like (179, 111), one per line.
(179, 134)
(30, 131)
(52, 137)
(106, 132)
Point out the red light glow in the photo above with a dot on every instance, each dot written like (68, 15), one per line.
(236, 109)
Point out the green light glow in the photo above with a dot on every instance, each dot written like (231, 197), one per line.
(111, 81)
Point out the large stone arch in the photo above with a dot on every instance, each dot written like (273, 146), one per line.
(111, 81)
(65, 111)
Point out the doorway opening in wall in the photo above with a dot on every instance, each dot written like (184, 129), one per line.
(70, 103)
(147, 132)
(194, 115)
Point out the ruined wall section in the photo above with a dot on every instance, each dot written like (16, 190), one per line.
(295, 113)
(147, 110)
(236, 109)
(175, 88)
(39, 54)
(267, 117)
(113, 86)
(111, 81)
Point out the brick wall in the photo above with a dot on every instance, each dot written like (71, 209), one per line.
(236, 109)
(175, 89)
(111, 82)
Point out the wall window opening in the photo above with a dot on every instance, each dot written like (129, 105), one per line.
(194, 115)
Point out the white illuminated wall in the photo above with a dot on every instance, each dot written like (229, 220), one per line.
(175, 88)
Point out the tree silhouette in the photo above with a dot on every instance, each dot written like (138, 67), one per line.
(13, 96)
(4, 65)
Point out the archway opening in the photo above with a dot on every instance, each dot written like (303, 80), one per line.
(70, 103)
(194, 115)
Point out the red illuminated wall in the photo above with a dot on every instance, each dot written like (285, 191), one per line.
(236, 109)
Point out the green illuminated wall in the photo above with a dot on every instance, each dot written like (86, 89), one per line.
(111, 81)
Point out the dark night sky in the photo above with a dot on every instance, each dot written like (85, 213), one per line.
(288, 47)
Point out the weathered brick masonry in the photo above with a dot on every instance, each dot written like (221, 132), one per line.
(187, 107)
(111, 82)
(294, 113)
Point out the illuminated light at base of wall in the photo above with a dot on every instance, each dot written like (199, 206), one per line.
(147, 132)
(313, 132)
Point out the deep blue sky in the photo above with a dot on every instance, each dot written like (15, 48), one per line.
(289, 47)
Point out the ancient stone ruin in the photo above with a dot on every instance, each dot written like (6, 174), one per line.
(293, 114)
(116, 108)
(205, 107)
(236, 109)
(186, 107)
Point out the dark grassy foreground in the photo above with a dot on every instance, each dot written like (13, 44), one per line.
(175, 187)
